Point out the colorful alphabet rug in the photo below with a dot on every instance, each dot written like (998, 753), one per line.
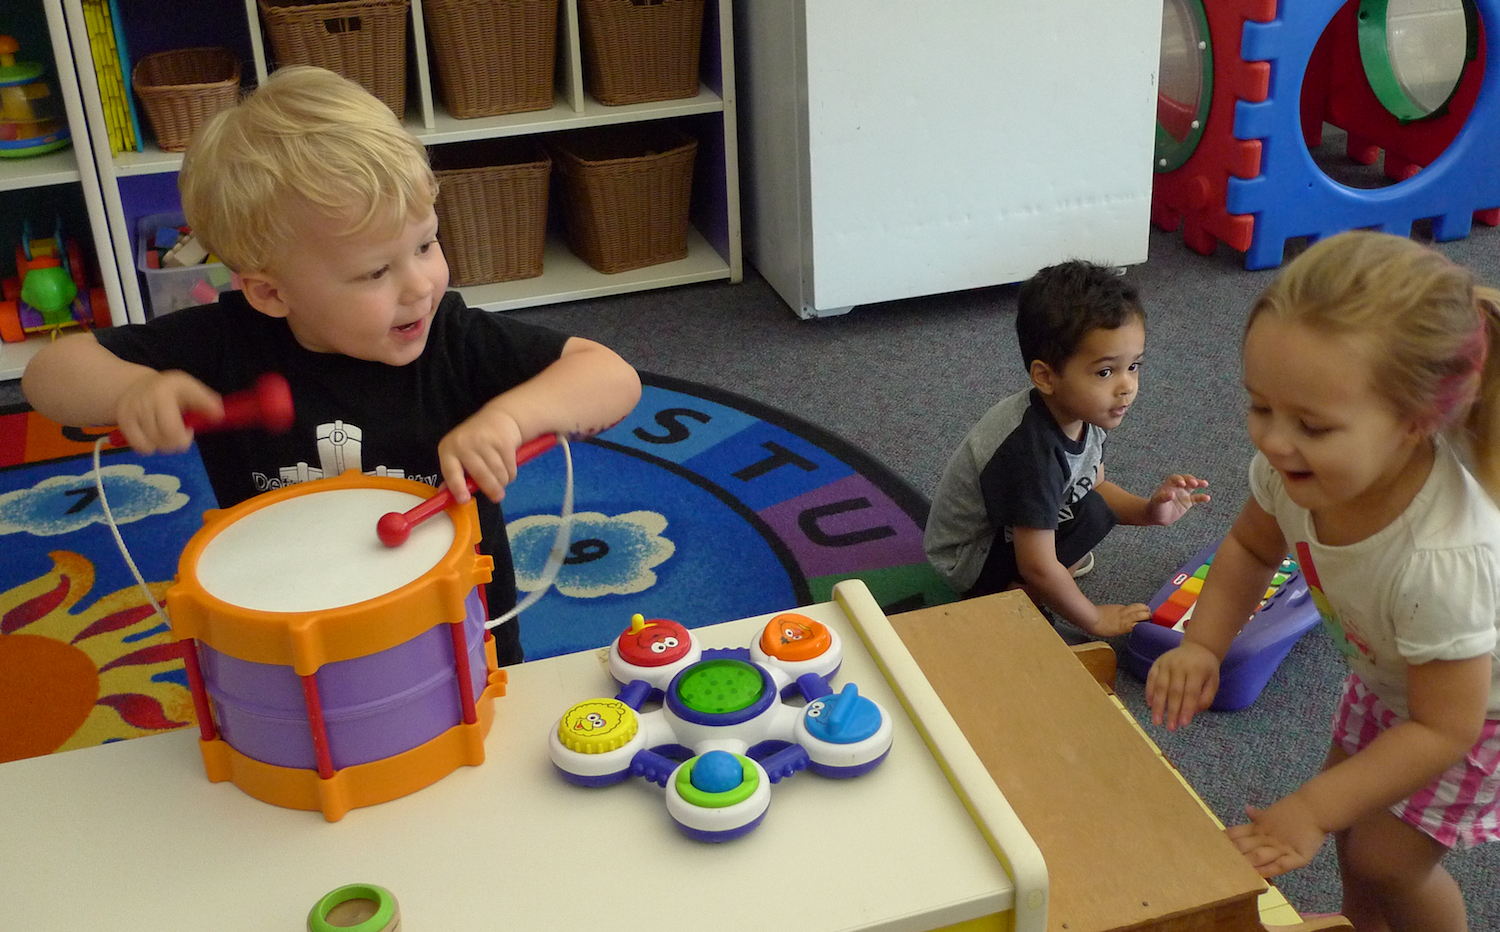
(702, 506)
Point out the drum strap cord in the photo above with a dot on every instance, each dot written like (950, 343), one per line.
(560, 544)
(114, 529)
(553, 566)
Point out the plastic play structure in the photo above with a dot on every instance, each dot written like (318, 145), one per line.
(1286, 612)
(50, 290)
(31, 115)
(1247, 85)
(725, 730)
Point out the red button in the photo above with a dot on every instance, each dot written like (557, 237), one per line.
(653, 643)
(1169, 614)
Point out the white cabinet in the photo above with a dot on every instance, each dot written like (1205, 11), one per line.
(894, 149)
(714, 250)
(36, 186)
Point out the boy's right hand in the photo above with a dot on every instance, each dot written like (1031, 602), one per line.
(149, 411)
(1182, 683)
(1115, 620)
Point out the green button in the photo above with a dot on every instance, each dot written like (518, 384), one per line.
(714, 687)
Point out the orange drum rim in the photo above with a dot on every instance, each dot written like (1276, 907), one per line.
(305, 640)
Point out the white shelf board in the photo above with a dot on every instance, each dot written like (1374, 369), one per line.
(565, 277)
(150, 161)
(36, 171)
(561, 117)
(15, 356)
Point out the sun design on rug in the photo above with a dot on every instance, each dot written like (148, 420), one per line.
(109, 672)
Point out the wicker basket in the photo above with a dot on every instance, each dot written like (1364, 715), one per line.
(493, 56)
(640, 50)
(492, 209)
(363, 40)
(182, 88)
(626, 193)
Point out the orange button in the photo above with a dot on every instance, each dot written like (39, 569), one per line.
(1183, 597)
(793, 637)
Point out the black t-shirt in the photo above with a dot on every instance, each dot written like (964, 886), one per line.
(350, 413)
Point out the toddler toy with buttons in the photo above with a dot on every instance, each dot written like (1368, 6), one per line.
(724, 730)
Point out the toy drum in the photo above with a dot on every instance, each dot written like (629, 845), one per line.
(329, 670)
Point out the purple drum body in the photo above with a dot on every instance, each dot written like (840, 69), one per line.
(374, 707)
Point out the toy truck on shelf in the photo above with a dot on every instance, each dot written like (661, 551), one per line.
(50, 290)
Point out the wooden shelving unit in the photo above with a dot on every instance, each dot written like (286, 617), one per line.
(714, 240)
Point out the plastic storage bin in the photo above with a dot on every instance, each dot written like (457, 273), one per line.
(492, 209)
(169, 290)
(626, 194)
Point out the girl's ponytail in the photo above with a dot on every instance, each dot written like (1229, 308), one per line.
(1482, 425)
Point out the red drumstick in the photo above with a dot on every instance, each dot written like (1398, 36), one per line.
(394, 527)
(267, 405)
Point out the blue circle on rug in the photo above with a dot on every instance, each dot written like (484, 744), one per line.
(702, 507)
(645, 539)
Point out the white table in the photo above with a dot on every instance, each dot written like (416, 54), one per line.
(132, 836)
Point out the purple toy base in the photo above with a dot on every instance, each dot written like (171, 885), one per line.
(845, 773)
(1239, 684)
(1254, 654)
(607, 779)
(729, 834)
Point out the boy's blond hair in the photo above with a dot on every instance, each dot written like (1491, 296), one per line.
(1433, 331)
(305, 138)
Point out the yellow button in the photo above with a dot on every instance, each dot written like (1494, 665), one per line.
(1193, 584)
(595, 726)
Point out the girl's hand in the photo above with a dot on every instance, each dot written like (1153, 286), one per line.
(1281, 838)
(1182, 683)
(149, 411)
(483, 448)
(1172, 499)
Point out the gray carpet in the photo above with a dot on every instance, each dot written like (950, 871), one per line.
(905, 380)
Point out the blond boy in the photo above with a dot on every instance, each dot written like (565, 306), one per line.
(316, 195)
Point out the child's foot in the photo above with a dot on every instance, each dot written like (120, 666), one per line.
(1085, 566)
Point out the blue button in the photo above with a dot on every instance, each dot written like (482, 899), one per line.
(844, 718)
(717, 772)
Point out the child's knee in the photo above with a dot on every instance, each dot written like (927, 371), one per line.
(1382, 852)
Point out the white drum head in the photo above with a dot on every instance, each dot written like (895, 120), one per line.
(319, 551)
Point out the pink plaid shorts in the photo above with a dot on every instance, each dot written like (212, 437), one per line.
(1462, 806)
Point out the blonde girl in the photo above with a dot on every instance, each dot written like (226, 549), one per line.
(1374, 401)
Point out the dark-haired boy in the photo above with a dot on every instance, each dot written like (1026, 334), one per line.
(1023, 500)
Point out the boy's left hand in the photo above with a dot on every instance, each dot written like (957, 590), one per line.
(483, 448)
(1278, 839)
(1172, 499)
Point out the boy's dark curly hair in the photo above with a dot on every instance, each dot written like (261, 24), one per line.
(1058, 306)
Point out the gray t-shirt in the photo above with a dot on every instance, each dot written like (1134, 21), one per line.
(1015, 468)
